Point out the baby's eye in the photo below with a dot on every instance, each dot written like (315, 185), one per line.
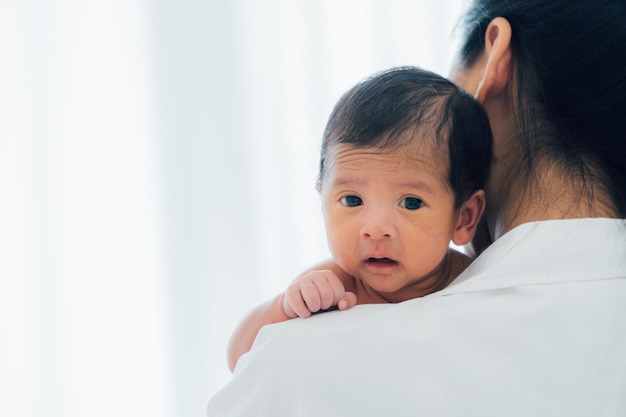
(351, 201)
(412, 203)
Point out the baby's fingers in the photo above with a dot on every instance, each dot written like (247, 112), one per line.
(311, 296)
(330, 289)
(348, 301)
(294, 304)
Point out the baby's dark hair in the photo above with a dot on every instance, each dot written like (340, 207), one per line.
(380, 111)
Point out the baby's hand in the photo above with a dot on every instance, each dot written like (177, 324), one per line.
(315, 291)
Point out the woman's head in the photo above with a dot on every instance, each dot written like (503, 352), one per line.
(393, 108)
(565, 93)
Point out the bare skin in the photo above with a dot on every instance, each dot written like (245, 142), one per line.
(450, 268)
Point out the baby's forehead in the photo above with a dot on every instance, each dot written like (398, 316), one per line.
(420, 144)
(395, 170)
(416, 156)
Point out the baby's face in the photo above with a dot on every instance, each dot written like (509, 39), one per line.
(389, 215)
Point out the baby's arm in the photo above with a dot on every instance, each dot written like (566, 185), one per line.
(312, 292)
(241, 341)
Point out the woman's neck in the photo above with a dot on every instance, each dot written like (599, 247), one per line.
(552, 195)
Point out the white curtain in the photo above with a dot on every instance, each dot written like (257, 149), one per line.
(157, 170)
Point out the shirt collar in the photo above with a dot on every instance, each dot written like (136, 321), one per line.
(549, 252)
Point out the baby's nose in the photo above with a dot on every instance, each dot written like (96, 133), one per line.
(378, 225)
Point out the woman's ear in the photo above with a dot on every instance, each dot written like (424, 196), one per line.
(495, 74)
(467, 218)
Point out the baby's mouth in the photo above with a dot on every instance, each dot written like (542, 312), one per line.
(380, 261)
(381, 266)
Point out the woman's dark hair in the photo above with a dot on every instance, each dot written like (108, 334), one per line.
(381, 110)
(569, 78)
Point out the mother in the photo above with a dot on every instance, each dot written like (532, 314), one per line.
(537, 325)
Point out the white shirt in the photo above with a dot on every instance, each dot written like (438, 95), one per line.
(535, 327)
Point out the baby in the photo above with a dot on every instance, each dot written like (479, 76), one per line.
(404, 160)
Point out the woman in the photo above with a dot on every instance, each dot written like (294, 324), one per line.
(536, 326)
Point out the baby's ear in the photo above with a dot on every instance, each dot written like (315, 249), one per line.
(467, 218)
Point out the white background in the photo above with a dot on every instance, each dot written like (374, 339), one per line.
(157, 170)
